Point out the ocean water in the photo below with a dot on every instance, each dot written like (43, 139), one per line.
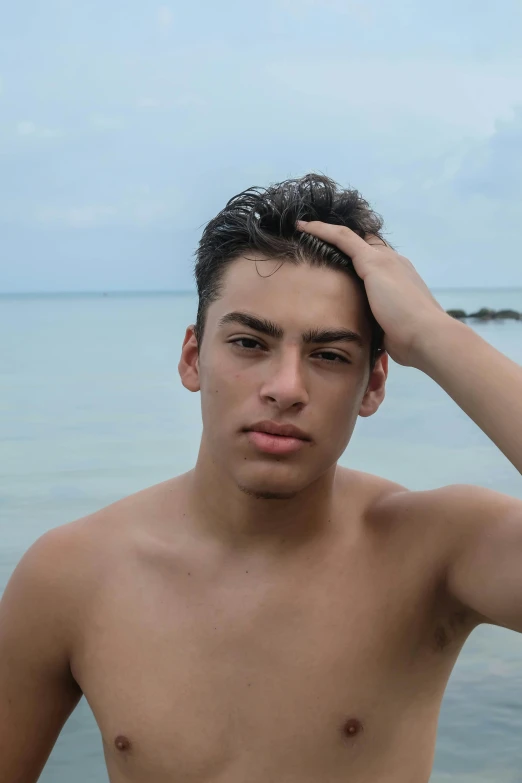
(92, 409)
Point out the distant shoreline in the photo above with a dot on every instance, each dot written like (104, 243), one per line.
(485, 314)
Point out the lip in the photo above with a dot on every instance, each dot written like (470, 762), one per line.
(282, 430)
(274, 444)
(273, 438)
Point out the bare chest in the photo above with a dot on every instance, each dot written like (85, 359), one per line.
(308, 670)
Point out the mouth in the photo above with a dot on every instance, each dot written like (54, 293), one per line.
(284, 430)
(272, 438)
(274, 444)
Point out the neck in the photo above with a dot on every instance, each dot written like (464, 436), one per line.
(244, 520)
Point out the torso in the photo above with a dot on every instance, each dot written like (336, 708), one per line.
(328, 666)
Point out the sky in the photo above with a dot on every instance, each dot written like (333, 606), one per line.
(126, 126)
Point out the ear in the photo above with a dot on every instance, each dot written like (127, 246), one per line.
(188, 366)
(375, 391)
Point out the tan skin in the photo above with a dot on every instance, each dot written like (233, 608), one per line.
(269, 618)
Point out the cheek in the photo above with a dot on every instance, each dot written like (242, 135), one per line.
(340, 417)
(341, 411)
(221, 386)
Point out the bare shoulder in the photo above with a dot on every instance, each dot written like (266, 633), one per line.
(454, 510)
(430, 520)
(371, 490)
(59, 567)
(123, 529)
(76, 555)
(59, 556)
(441, 526)
(42, 606)
(427, 532)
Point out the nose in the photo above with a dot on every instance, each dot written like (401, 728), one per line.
(285, 383)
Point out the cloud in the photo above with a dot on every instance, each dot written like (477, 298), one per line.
(105, 122)
(142, 210)
(76, 217)
(172, 101)
(29, 129)
(164, 17)
(26, 128)
(345, 7)
(468, 96)
(459, 213)
(149, 103)
(492, 169)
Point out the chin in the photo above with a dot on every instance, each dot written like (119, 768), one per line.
(266, 484)
(266, 494)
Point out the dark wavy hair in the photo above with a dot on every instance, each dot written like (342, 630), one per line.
(263, 220)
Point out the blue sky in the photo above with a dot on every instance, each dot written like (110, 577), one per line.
(126, 126)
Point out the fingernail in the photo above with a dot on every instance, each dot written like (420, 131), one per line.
(300, 223)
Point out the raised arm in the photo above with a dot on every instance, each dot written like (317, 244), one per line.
(37, 690)
(485, 567)
(418, 333)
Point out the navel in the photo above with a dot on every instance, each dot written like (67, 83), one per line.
(122, 742)
(352, 727)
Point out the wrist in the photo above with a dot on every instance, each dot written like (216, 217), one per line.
(435, 339)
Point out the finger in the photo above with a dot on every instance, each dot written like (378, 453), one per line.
(340, 236)
(374, 240)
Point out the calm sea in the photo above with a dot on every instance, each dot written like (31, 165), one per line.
(92, 409)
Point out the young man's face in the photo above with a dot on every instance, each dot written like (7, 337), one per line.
(247, 376)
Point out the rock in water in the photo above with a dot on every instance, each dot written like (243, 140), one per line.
(484, 314)
(509, 314)
(457, 313)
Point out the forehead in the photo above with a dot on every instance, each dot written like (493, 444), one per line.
(308, 295)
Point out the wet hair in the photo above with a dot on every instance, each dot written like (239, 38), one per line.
(263, 220)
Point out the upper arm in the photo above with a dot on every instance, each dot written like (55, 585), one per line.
(37, 690)
(485, 564)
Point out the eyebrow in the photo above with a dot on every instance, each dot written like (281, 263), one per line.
(316, 336)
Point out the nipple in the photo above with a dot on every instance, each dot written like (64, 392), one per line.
(122, 743)
(352, 727)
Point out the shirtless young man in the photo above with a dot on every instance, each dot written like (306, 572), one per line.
(269, 617)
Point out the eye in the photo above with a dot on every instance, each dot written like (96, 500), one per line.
(332, 357)
(256, 343)
(251, 344)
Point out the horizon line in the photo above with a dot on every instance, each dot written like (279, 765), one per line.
(107, 291)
